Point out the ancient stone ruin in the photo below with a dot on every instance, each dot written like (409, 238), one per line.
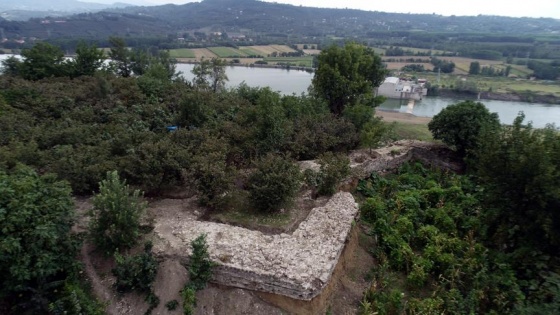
(298, 265)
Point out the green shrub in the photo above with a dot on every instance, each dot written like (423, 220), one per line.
(172, 305)
(274, 183)
(334, 168)
(200, 265)
(116, 214)
(153, 301)
(74, 300)
(135, 272)
(189, 300)
(417, 277)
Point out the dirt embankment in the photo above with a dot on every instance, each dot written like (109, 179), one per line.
(401, 117)
(508, 97)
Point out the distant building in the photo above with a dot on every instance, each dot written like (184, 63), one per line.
(394, 87)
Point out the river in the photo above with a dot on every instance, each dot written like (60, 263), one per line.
(296, 82)
(289, 82)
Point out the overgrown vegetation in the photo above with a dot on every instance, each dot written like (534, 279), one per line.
(482, 243)
(40, 273)
(430, 251)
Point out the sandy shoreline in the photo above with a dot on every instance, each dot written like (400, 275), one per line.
(389, 116)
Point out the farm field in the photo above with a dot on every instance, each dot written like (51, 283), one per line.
(266, 50)
(250, 51)
(497, 84)
(181, 53)
(200, 53)
(399, 65)
(462, 63)
(227, 52)
(305, 61)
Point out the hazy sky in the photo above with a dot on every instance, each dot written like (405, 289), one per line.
(517, 8)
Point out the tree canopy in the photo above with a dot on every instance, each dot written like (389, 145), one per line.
(460, 125)
(347, 75)
(37, 249)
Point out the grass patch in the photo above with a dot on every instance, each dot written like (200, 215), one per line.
(181, 53)
(227, 52)
(305, 61)
(238, 211)
(249, 218)
(402, 130)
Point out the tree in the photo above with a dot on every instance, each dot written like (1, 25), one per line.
(520, 167)
(347, 75)
(120, 57)
(139, 61)
(116, 214)
(460, 125)
(210, 74)
(474, 68)
(162, 67)
(11, 66)
(37, 249)
(88, 59)
(42, 61)
(274, 183)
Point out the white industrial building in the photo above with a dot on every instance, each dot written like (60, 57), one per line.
(394, 87)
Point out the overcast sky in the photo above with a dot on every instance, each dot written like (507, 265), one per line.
(517, 8)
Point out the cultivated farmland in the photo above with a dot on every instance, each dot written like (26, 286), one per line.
(269, 49)
(203, 53)
(181, 53)
(227, 52)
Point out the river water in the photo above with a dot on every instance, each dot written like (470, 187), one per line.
(296, 82)
(289, 82)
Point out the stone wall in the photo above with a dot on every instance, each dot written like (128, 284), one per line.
(298, 265)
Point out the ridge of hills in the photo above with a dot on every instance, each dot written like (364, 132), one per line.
(22, 10)
(254, 17)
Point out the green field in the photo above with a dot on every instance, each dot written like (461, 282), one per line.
(305, 61)
(181, 53)
(227, 52)
(250, 51)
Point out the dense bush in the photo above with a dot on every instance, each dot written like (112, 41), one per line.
(334, 168)
(37, 249)
(137, 272)
(274, 183)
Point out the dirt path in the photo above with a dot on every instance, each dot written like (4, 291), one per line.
(102, 288)
(389, 116)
